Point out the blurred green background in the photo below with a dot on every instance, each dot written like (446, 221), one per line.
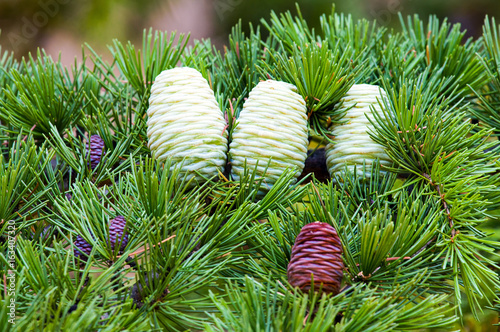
(63, 25)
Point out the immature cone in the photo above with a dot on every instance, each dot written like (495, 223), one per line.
(353, 145)
(139, 291)
(318, 252)
(272, 124)
(96, 149)
(186, 124)
(116, 229)
(82, 247)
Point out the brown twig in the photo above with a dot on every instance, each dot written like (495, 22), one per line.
(31, 193)
(390, 259)
(396, 258)
(26, 136)
(222, 256)
(144, 249)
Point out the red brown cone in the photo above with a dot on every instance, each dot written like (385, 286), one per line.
(317, 251)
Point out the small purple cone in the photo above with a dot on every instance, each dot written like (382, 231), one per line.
(116, 229)
(82, 247)
(96, 150)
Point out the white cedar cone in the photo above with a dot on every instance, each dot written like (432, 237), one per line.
(353, 145)
(272, 124)
(317, 251)
(186, 124)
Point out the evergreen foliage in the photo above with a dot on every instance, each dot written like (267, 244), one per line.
(489, 95)
(215, 257)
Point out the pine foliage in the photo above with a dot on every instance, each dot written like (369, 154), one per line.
(215, 257)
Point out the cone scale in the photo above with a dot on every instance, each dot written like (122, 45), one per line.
(352, 145)
(82, 247)
(317, 255)
(116, 232)
(96, 149)
(272, 126)
(186, 124)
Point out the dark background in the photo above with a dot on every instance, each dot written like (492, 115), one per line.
(62, 26)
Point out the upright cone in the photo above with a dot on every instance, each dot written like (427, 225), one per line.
(352, 144)
(95, 148)
(317, 252)
(272, 124)
(186, 124)
(116, 232)
(82, 247)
